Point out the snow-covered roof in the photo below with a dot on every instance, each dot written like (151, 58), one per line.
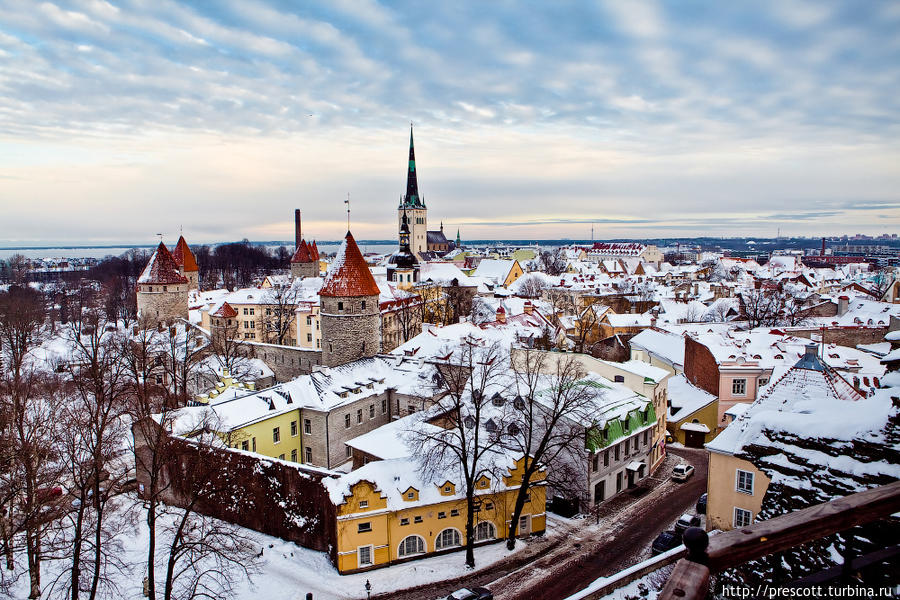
(667, 346)
(685, 398)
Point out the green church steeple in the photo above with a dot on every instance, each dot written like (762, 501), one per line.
(412, 198)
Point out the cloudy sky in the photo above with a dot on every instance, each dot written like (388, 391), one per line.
(122, 119)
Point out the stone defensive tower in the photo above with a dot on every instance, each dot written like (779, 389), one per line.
(187, 264)
(305, 262)
(350, 316)
(162, 291)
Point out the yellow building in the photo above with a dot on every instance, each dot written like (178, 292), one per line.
(387, 513)
(735, 491)
(692, 413)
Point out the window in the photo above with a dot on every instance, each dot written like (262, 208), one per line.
(599, 492)
(347, 420)
(293, 428)
(251, 311)
(371, 411)
(596, 463)
(744, 482)
(281, 457)
(364, 504)
(245, 445)
(488, 506)
(627, 448)
(307, 426)
(417, 519)
(742, 518)
(365, 556)
(294, 455)
(411, 495)
(308, 454)
(384, 407)
(364, 527)
(276, 434)
(448, 538)
(454, 513)
(606, 457)
(411, 545)
(619, 481)
(442, 515)
(308, 337)
(359, 416)
(364, 305)
(447, 489)
(485, 531)
(635, 442)
(404, 521)
(349, 451)
(523, 523)
(617, 451)
(340, 306)
(738, 387)
(246, 312)
(646, 437)
(253, 441)
(619, 379)
(763, 381)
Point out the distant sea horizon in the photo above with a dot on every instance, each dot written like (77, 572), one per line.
(86, 250)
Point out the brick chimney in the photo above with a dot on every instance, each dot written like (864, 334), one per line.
(843, 305)
(501, 315)
(529, 307)
(297, 232)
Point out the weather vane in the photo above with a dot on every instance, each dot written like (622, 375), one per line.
(347, 202)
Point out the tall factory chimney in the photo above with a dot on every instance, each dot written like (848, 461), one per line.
(297, 232)
(823, 247)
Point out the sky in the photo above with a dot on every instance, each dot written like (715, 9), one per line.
(120, 120)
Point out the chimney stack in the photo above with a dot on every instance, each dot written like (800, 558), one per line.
(823, 247)
(843, 305)
(297, 232)
(501, 315)
(529, 307)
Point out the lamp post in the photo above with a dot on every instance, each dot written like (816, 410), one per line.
(368, 590)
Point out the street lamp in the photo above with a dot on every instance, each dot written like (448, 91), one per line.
(368, 590)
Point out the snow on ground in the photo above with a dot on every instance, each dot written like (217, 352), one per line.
(289, 571)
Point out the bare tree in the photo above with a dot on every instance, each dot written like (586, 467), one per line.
(532, 285)
(464, 443)
(27, 430)
(95, 428)
(184, 347)
(280, 314)
(552, 262)
(761, 307)
(552, 409)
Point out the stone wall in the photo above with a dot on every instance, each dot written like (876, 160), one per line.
(349, 331)
(274, 497)
(305, 269)
(287, 362)
(163, 306)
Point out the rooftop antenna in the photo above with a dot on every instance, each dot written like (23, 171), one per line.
(347, 202)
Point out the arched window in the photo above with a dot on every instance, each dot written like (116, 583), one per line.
(448, 538)
(485, 531)
(411, 545)
(469, 422)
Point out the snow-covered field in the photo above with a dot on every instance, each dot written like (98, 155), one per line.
(288, 571)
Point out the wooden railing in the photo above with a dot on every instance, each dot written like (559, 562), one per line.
(690, 578)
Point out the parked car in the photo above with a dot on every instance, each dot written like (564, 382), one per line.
(665, 542)
(686, 520)
(701, 504)
(682, 472)
(476, 593)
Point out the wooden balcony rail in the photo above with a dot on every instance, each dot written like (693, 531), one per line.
(690, 578)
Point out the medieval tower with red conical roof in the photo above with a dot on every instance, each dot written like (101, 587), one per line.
(162, 291)
(350, 317)
(187, 264)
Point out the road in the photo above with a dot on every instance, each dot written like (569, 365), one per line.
(554, 569)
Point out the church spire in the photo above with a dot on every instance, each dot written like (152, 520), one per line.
(412, 198)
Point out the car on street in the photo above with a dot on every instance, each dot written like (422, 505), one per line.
(701, 504)
(665, 542)
(686, 520)
(476, 593)
(682, 472)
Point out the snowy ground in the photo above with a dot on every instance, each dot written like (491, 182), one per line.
(289, 571)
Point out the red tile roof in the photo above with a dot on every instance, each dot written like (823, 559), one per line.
(162, 268)
(303, 253)
(226, 311)
(349, 275)
(184, 257)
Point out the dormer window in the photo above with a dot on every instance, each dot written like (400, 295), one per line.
(497, 399)
(469, 422)
(519, 403)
